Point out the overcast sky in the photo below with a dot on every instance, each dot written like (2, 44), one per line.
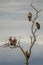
(14, 22)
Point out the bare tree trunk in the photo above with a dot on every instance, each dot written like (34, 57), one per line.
(26, 61)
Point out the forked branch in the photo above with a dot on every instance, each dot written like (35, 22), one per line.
(32, 27)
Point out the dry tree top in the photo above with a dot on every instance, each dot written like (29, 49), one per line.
(12, 43)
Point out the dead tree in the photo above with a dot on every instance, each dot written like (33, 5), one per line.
(13, 43)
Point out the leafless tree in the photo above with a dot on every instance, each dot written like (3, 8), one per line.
(13, 43)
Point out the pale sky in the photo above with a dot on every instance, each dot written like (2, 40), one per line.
(14, 22)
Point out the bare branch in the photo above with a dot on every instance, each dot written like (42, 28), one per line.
(21, 47)
(22, 50)
(17, 46)
(34, 36)
(4, 45)
(32, 27)
(31, 39)
(36, 11)
(27, 61)
(35, 8)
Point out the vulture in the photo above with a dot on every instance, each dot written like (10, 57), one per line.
(12, 42)
(30, 16)
(27, 54)
(37, 25)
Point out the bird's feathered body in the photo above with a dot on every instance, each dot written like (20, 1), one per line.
(27, 54)
(29, 16)
(37, 25)
(12, 41)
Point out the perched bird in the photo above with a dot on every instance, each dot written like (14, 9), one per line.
(27, 54)
(30, 16)
(10, 41)
(14, 41)
(37, 25)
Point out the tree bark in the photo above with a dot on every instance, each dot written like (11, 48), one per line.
(26, 61)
